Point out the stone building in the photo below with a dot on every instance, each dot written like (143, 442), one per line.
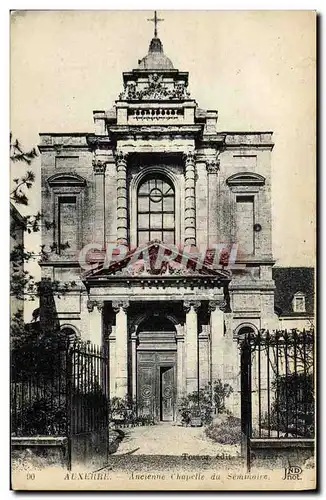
(157, 173)
(294, 297)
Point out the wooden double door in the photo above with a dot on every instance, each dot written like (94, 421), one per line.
(156, 384)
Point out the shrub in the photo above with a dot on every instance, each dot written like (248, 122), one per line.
(128, 412)
(220, 393)
(204, 401)
(226, 431)
(292, 410)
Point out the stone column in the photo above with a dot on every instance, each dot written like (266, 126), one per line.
(180, 363)
(121, 347)
(190, 199)
(191, 307)
(95, 308)
(203, 357)
(99, 168)
(217, 338)
(212, 167)
(224, 353)
(122, 198)
(112, 362)
(134, 364)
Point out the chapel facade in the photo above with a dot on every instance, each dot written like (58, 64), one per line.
(186, 209)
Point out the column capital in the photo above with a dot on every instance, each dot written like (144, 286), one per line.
(217, 304)
(99, 166)
(189, 157)
(120, 156)
(212, 165)
(99, 304)
(90, 305)
(188, 304)
(120, 304)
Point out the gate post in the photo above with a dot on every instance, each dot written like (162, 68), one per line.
(246, 399)
(69, 409)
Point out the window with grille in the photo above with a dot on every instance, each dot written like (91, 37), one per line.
(156, 211)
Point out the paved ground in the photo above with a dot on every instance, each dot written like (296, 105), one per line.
(171, 439)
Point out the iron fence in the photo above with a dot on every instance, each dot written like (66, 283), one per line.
(39, 389)
(60, 388)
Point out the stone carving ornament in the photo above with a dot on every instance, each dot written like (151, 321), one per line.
(99, 166)
(117, 304)
(188, 304)
(155, 90)
(212, 165)
(95, 303)
(217, 304)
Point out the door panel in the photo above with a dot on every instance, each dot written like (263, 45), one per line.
(167, 393)
(156, 384)
(146, 390)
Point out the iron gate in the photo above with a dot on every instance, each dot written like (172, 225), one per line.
(277, 391)
(88, 404)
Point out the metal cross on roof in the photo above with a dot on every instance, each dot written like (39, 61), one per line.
(155, 20)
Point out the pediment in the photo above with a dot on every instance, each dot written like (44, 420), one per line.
(66, 180)
(159, 260)
(246, 179)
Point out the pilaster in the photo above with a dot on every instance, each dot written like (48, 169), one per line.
(95, 309)
(122, 198)
(192, 381)
(121, 347)
(212, 167)
(99, 168)
(190, 199)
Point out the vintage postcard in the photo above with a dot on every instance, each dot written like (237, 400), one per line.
(162, 197)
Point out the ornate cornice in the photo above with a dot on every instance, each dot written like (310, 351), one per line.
(98, 142)
(188, 304)
(120, 304)
(150, 131)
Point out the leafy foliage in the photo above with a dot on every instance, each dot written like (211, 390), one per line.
(292, 410)
(127, 411)
(204, 402)
(23, 285)
(17, 154)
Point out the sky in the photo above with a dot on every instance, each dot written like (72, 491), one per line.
(257, 68)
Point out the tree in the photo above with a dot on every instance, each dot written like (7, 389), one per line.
(23, 285)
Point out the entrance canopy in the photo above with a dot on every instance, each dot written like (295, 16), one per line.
(160, 267)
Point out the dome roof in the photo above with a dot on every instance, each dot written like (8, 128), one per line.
(155, 59)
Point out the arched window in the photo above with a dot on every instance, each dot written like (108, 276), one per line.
(156, 210)
(69, 333)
